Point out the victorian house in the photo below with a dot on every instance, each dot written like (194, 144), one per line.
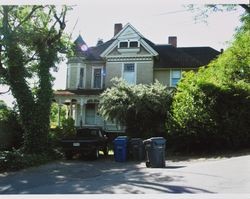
(128, 55)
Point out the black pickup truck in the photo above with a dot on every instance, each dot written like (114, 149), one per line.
(87, 142)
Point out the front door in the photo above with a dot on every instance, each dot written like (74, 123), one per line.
(90, 114)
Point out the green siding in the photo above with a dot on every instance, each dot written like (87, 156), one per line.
(112, 70)
(144, 73)
(163, 76)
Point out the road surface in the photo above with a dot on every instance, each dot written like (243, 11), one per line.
(221, 175)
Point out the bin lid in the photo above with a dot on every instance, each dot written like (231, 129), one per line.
(158, 140)
(121, 138)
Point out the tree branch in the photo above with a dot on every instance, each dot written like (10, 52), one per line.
(62, 26)
(34, 8)
(2, 93)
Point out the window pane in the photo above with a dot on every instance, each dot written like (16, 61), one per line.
(176, 74)
(97, 78)
(129, 67)
(81, 75)
(133, 44)
(175, 81)
(124, 44)
(129, 73)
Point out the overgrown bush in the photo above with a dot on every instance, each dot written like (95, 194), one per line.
(11, 133)
(68, 127)
(210, 109)
(141, 108)
(15, 159)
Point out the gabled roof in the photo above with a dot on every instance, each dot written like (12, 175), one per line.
(132, 35)
(203, 54)
(124, 28)
(170, 57)
(93, 53)
(165, 56)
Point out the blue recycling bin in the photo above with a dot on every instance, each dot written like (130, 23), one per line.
(120, 148)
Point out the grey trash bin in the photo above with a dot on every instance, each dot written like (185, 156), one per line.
(136, 149)
(155, 152)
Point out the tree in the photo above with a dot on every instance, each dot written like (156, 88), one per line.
(141, 108)
(31, 38)
(202, 12)
(210, 109)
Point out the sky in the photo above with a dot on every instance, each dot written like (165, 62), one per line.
(154, 19)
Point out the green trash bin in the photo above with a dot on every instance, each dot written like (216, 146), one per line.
(136, 149)
(155, 152)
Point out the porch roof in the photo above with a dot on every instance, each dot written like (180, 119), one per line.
(78, 92)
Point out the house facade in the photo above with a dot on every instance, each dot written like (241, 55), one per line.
(130, 56)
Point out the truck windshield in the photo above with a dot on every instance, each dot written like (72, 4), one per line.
(88, 133)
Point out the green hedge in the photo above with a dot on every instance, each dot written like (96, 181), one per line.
(210, 109)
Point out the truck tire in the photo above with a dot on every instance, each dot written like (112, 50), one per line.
(96, 154)
(106, 151)
(68, 155)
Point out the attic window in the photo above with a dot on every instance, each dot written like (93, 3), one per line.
(123, 44)
(129, 44)
(133, 44)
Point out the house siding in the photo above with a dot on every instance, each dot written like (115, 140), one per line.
(163, 76)
(144, 73)
(88, 76)
(112, 70)
(73, 76)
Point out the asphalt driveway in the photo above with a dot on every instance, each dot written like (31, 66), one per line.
(224, 175)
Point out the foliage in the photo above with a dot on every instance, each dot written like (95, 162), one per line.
(202, 12)
(68, 127)
(141, 108)
(210, 109)
(31, 39)
(15, 159)
(10, 129)
(54, 114)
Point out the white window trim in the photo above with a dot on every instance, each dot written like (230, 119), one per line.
(92, 77)
(68, 76)
(171, 75)
(78, 76)
(130, 40)
(135, 70)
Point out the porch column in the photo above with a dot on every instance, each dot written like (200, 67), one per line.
(59, 113)
(81, 113)
(75, 114)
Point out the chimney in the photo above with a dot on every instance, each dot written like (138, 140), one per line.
(172, 40)
(117, 28)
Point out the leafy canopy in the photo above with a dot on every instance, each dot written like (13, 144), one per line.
(141, 108)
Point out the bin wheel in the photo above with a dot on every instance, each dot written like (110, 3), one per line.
(148, 164)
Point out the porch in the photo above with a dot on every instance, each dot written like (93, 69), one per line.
(83, 108)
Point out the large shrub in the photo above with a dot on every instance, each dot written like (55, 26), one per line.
(210, 109)
(141, 108)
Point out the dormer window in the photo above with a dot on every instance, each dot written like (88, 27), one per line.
(123, 44)
(128, 44)
(133, 44)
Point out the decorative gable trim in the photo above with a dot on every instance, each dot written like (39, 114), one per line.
(143, 43)
(124, 28)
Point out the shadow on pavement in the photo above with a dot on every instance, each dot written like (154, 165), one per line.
(99, 177)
